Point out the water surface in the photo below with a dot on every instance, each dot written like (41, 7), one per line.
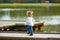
(50, 16)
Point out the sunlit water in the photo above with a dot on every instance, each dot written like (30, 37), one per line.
(6, 14)
(48, 20)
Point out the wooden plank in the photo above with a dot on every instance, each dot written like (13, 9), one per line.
(11, 23)
(24, 35)
(6, 25)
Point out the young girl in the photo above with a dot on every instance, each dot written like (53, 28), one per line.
(30, 22)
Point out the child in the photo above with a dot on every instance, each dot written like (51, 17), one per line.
(30, 22)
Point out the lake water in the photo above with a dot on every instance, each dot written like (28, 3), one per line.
(50, 15)
(49, 20)
(20, 14)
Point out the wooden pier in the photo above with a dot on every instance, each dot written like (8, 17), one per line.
(24, 36)
(18, 25)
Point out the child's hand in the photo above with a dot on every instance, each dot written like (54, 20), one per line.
(41, 21)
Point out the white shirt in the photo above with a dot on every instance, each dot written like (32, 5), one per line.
(30, 21)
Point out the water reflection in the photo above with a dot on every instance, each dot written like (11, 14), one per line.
(50, 20)
(7, 11)
(19, 14)
(7, 14)
(50, 16)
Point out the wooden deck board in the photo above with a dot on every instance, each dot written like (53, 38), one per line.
(9, 23)
(24, 35)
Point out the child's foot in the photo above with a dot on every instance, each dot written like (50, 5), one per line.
(28, 33)
(31, 35)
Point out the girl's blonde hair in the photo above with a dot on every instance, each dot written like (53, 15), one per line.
(29, 12)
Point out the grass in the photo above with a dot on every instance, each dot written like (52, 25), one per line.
(27, 5)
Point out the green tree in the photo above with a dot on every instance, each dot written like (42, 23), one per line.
(8, 1)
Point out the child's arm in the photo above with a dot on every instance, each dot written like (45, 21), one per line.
(34, 20)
